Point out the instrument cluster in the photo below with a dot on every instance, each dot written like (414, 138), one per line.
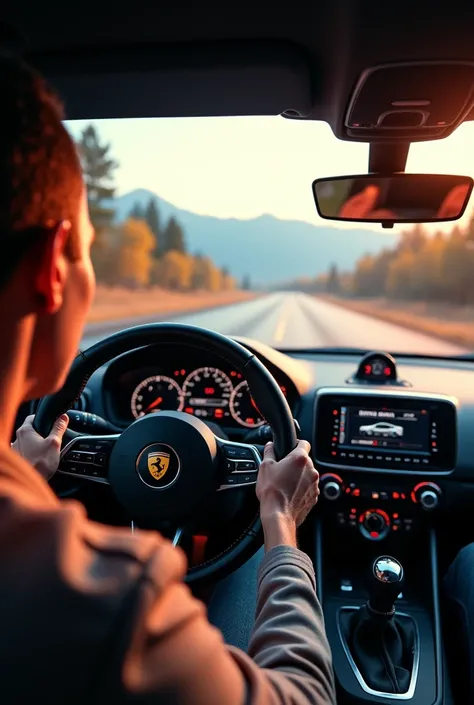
(188, 381)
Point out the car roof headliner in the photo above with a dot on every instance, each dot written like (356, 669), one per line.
(255, 58)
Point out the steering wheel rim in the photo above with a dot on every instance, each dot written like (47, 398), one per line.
(265, 390)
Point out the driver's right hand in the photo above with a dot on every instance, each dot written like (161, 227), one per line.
(288, 488)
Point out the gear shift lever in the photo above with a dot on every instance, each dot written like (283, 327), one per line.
(382, 643)
(385, 584)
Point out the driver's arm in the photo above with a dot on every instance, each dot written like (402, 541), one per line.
(163, 648)
(115, 620)
(167, 645)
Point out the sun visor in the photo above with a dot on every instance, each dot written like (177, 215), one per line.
(183, 81)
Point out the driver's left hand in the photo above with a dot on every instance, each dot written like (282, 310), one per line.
(42, 453)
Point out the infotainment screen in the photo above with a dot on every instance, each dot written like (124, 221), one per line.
(369, 430)
(386, 429)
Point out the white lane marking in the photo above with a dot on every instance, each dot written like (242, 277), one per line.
(282, 324)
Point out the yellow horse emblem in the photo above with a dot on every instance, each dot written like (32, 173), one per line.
(158, 464)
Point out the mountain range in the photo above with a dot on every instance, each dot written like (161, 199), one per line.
(266, 249)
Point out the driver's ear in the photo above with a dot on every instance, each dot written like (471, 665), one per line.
(51, 268)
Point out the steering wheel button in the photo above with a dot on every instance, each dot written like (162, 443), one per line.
(100, 459)
(250, 478)
(244, 465)
(73, 457)
(96, 472)
(73, 468)
(237, 452)
(84, 445)
(232, 480)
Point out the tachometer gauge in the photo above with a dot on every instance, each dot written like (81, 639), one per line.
(207, 393)
(156, 393)
(243, 408)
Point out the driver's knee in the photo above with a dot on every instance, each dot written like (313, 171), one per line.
(458, 620)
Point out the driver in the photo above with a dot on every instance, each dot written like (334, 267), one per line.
(91, 613)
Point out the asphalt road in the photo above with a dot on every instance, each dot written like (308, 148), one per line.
(294, 320)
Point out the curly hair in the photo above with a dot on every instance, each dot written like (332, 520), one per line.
(40, 174)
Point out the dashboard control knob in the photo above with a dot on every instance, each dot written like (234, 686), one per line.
(427, 495)
(331, 486)
(429, 499)
(374, 524)
(332, 490)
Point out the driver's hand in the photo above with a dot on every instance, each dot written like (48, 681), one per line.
(287, 489)
(42, 453)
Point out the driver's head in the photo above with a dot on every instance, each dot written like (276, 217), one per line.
(46, 275)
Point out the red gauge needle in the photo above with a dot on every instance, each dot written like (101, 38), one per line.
(254, 405)
(155, 403)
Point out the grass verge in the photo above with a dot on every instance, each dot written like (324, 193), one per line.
(114, 303)
(452, 323)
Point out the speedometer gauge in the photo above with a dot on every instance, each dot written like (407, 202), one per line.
(243, 408)
(207, 393)
(156, 393)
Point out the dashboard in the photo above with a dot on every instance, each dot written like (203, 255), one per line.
(150, 380)
(400, 425)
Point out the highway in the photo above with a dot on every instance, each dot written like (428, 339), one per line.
(295, 320)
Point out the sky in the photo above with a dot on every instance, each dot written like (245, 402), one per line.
(244, 167)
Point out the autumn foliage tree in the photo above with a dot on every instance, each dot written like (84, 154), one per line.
(135, 245)
(143, 250)
(422, 267)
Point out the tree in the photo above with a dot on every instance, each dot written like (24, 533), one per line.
(173, 271)
(402, 275)
(198, 276)
(228, 282)
(98, 167)
(137, 211)
(152, 218)
(205, 274)
(246, 283)
(173, 237)
(364, 277)
(332, 283)
(135, 245)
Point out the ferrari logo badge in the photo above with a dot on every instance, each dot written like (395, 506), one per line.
(158, 464)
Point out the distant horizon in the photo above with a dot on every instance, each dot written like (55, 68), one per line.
(323, 223)
(248, 167)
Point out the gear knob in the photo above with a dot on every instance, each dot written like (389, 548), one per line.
(385, 584)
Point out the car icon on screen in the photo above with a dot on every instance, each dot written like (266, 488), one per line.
(382, 428)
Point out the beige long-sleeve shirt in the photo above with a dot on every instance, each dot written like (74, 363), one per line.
(95, 614)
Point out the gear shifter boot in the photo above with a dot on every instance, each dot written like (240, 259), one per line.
(382, 648)
(380, 642)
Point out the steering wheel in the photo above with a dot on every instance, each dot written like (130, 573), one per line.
(167, 466)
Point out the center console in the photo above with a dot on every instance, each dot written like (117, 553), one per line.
(382, 457)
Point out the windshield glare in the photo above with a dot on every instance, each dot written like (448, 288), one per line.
(211, 221)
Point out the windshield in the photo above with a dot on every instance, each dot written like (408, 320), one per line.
(211, 221)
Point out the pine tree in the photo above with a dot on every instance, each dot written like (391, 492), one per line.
(333, 284)
(152, 218)
(173, 237)
(137, 212)
(98, 167)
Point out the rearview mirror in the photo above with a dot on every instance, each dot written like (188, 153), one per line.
(397, 198)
